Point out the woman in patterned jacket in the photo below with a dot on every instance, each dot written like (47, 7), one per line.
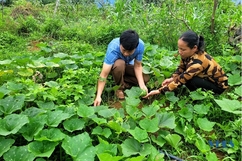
(197, 69)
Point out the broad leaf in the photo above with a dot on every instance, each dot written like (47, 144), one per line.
(195, 95)
(150, 125)
(238, 90)
(79, 147)
(171, 97)
(134, 92)
(104, 132)
(211, 156)
(133, 147)
(52, 134)
(5, 145)
(150, 110)
(74, 124)
(108, 157)
(235, 79)
(106, 113)
(54, 118)
(115, 126)
(205, 124)
(85, 111)
(186, 113)
(106, 148)
(139, 134)
(10, 104)
(99, 121)
(42, 148)
(133, 111)
(19, 153)
(4, 91)
(202, 146)
(167, 120)
(5, 62)
(130, 147)
(201, 109)
(232, 106)
(33, 112)
(138, 158)
(26, 72)
(46, 105)
(131, 101)
(35, 125)
(159, 140)
(12, 123)
(173, 140)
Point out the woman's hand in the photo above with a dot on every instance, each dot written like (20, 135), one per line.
(154, 92)
(167, 81)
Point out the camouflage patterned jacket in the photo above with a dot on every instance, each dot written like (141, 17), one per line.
(201, 65)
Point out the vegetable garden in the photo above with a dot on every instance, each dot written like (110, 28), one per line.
(51, 57)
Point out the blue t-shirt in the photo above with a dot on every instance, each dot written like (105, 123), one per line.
(113, 53)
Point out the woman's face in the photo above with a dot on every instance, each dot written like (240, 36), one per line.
(184, 50)
(126, 52)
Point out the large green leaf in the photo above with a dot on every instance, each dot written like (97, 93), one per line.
(211, 156)
(11, 104)
(5, 145)
(139, 134)
(25, 72)
(186, 112)
(238, 90)
(232, 106)
(134, 92)
(42, 148)
(116, 126)
(173, 140)
(79, 147)
(35, 125)
(54, 118)
(171, 97)
(99, 121)
(235, 79)
(46, 105)
(138, 158)
(133, 111)
(195, 95)
(12, 123)
(85, 111)
(33, 112)
(74, 124)
(19, 153)
(130, 147)
(52, 134)
(159, 140)
(133, 147)
(106, 148)
(106, 132)
(205, 124)
(5, 62)
(150, 110)
(3, 91)
(106, 113)
(150, 125)
(202, 146)
(108, 157)
(201, 108)
(167, 120)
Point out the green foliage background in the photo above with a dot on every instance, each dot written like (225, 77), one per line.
(50, 61)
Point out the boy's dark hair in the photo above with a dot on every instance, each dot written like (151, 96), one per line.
(129, 39)
(192, 39)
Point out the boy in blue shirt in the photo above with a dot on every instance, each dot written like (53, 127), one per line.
(124, 61)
